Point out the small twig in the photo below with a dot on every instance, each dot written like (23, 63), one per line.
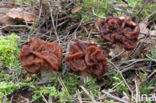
(91, 97)
(77, 27)
(5, 99)
(114, 97)
(89, 35)
(50, 100)
(151, 58)
(127, 68)
(119, 54)
(149, 16)
(137, 92)
(150, 75)
(62, 83)
(125, 82)
(117, 85)
(44, 99)
(70, 97)
(118, 70)
(96, 14)
(136, 50)
(99, 97)
(79, 96)
(134, 61)
(41, 8)
(60, 24)
(67, 52)
(52, 20)
(2, 27)
(11, 99)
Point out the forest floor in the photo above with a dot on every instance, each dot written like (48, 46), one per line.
(129, 77)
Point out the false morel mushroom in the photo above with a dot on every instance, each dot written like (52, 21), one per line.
(40, 55)
(87, 58)
(120, 30)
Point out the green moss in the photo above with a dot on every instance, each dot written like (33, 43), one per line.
(95, 8)
(76, 16)
(7, 88)
(121, 87)
(147, 9)
(152, 55)
(24, 1)
(71, 80)
(9, 50)
(138, 6)
(51, 91)
(146, 88)
(92, 86)
(134, 3)
(4, 76)
(115, 80)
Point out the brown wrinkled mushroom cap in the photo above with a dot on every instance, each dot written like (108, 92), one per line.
(87, 57)
(39, 54)
(120, 30)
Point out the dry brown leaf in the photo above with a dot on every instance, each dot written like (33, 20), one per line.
(5, 20)
(155, 26)
(125, 97)
(21, 14)
(65, 0)
(85, 29)
(97, 24)
(153, 33)
(4, 10)
(52, 3)
(28, 79)
(74, 35)
(143, 28)
(41, 87)
(76, 9)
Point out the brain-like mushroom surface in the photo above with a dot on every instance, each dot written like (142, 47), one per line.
(120, 30)
(87, 57)
(41, 55)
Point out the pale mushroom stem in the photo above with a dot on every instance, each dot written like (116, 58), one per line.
(86, 77)
(46, 76)
(119, 50)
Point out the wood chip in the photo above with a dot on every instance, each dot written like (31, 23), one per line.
(143, 28)
(21, 14)
(77, 9)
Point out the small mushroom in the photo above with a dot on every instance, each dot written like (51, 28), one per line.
(41, 56)
(88, 59)
(120, 31)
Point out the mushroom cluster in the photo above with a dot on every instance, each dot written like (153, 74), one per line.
(41, 55)
(120, 30)
(87, 57)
